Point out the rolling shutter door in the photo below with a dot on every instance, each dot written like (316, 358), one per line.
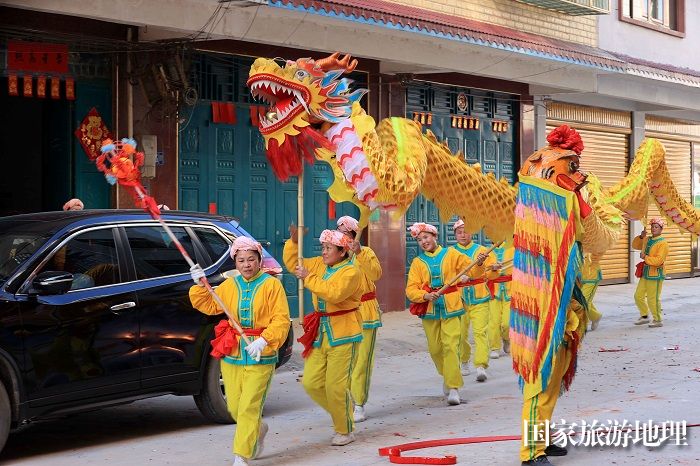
(605, 155)
(678, 156)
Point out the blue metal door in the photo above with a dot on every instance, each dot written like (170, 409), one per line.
(489, 145)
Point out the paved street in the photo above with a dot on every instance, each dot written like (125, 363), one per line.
(406, 404)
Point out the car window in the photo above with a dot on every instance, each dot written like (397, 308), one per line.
(155, 254)
(91, 257)
(213, 242)
(16, 246)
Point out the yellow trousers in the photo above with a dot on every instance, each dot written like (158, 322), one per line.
(444, 340)
(246, 388)
(362, 371)
(648, 297)
(499, 323)
(539, 408)
(327, 375)
(478, 316)
(588, 290)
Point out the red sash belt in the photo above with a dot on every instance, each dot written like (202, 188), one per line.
(368, 296)
(470, 282)
(420, 309)
(226, 338)
(491, 284)
(311, 324)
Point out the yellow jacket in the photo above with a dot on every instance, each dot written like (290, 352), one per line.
(656, 252)
(476, 294)
(333, 289)
(255, 303)
(502, 254)
(434, 269)
(370, 270)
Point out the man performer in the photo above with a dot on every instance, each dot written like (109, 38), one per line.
(499, 305)
(441, 313)
(476, 297)
(654, 252)
(370, 270)
(333, 331)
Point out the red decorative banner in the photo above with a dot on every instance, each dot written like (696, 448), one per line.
(70, 89)
(12, 85)
(41, 87)
(91, 132)
(37, 57)
(27, 86)
(55, 88)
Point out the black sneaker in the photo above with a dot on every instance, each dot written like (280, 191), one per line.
(539, 461)
(555, 450)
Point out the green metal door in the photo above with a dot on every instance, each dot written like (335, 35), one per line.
(89, 184)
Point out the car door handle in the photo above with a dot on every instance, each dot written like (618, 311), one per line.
(122, 306)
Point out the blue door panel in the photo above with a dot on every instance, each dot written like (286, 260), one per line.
(90, 185)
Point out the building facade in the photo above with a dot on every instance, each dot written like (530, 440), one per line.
(488, 77)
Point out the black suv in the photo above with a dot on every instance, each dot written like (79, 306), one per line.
(94, 311)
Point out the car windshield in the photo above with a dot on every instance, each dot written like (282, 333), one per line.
(18, 242)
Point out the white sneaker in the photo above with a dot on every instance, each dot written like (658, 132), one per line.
(359, 413)
(656, 323)
(342, 439)
(261, 440)
(494, 354)
(506, 346)
(239, 461)
(453, 397)
(594, 324)
(642, 321)
(481, 374)
(465, 368)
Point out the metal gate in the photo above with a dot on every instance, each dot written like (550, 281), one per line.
(480, 124)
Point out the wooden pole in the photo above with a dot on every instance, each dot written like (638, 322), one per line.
(300, 238)
(467, 269)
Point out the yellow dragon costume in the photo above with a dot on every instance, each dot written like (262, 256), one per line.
(552, 216)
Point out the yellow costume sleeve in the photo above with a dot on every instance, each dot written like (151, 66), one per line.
(289, 256)
(637, 243)
(657, 255)
(368, 262)
(339, 287)
(417, 278)
(204, 302)
(277, 314)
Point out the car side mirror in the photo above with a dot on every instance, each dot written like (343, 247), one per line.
(51, 282)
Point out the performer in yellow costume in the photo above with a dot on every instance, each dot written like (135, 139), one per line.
(591, 275)
(499, 305)
(648, 294)
(333, 331)
(476, 297)
(430, 270)
(259, 303)
(370, 270)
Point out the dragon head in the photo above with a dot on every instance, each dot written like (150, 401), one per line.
(559, 161)
(302, 93)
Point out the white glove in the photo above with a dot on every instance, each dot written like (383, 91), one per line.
(255, 349)
(197, 273)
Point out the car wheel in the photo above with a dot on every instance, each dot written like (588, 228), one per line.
(5, 416)
(211, 401)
